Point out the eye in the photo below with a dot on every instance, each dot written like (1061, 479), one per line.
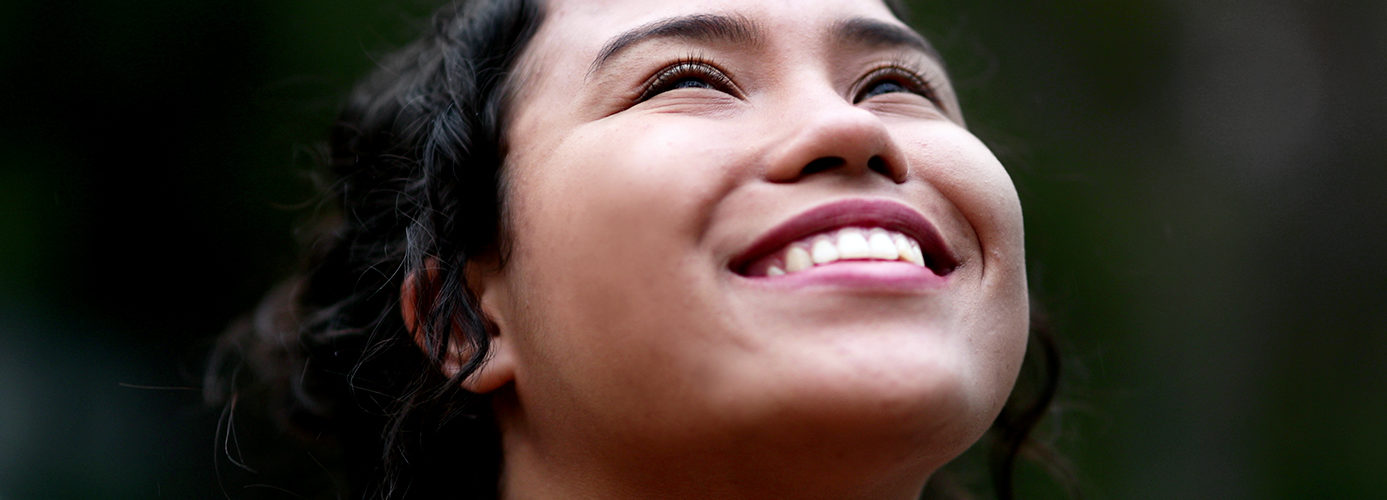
(690, 73)
(882, 87)
(894, 79)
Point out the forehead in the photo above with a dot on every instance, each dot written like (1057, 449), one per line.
(575, 30)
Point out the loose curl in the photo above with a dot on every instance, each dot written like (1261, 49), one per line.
(415, 191)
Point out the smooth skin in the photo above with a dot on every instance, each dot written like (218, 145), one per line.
(630, 359)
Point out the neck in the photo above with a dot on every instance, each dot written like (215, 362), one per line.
(856, 468)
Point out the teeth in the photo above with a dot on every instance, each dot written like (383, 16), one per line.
(915, 256)
(852, 243)
(902, 245)
(882, 246)
(824, 251)
(797, 259)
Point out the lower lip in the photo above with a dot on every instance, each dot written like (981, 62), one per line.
(867, 276)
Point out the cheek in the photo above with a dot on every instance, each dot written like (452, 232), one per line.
(985, 195)
(608, 197)
(966, 172)
(607, 260)
(979, 190)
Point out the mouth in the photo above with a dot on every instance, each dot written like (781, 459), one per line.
(850, 231)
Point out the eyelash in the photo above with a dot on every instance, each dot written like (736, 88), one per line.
(901, 74)
(696, 66)
(692, 66)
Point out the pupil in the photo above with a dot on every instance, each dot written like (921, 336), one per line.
(690, 83)
(885, 88)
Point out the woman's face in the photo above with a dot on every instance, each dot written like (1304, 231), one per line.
(718, 213)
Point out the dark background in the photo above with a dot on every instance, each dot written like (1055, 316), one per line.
(1203, 185)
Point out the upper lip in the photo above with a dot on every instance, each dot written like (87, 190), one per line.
(885, 214)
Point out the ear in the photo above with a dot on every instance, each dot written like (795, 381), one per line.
(487, 284)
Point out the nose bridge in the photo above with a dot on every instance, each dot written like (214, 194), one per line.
(822, 131)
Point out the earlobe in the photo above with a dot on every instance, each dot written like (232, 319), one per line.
(498, 365)
(497, 369)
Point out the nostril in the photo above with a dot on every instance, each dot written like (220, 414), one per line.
(823, 164)
(878, 164)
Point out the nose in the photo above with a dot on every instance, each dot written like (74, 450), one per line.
(834, 136)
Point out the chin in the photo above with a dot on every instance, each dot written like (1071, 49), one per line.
(918, 395)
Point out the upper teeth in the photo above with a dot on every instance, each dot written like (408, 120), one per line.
(850, 243)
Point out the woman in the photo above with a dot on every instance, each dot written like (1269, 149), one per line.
(636, 249)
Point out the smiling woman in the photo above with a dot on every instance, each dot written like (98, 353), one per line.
(710, 249)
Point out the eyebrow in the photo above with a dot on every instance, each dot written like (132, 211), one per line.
(739, 30)
(874, 33)
(700, 27)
